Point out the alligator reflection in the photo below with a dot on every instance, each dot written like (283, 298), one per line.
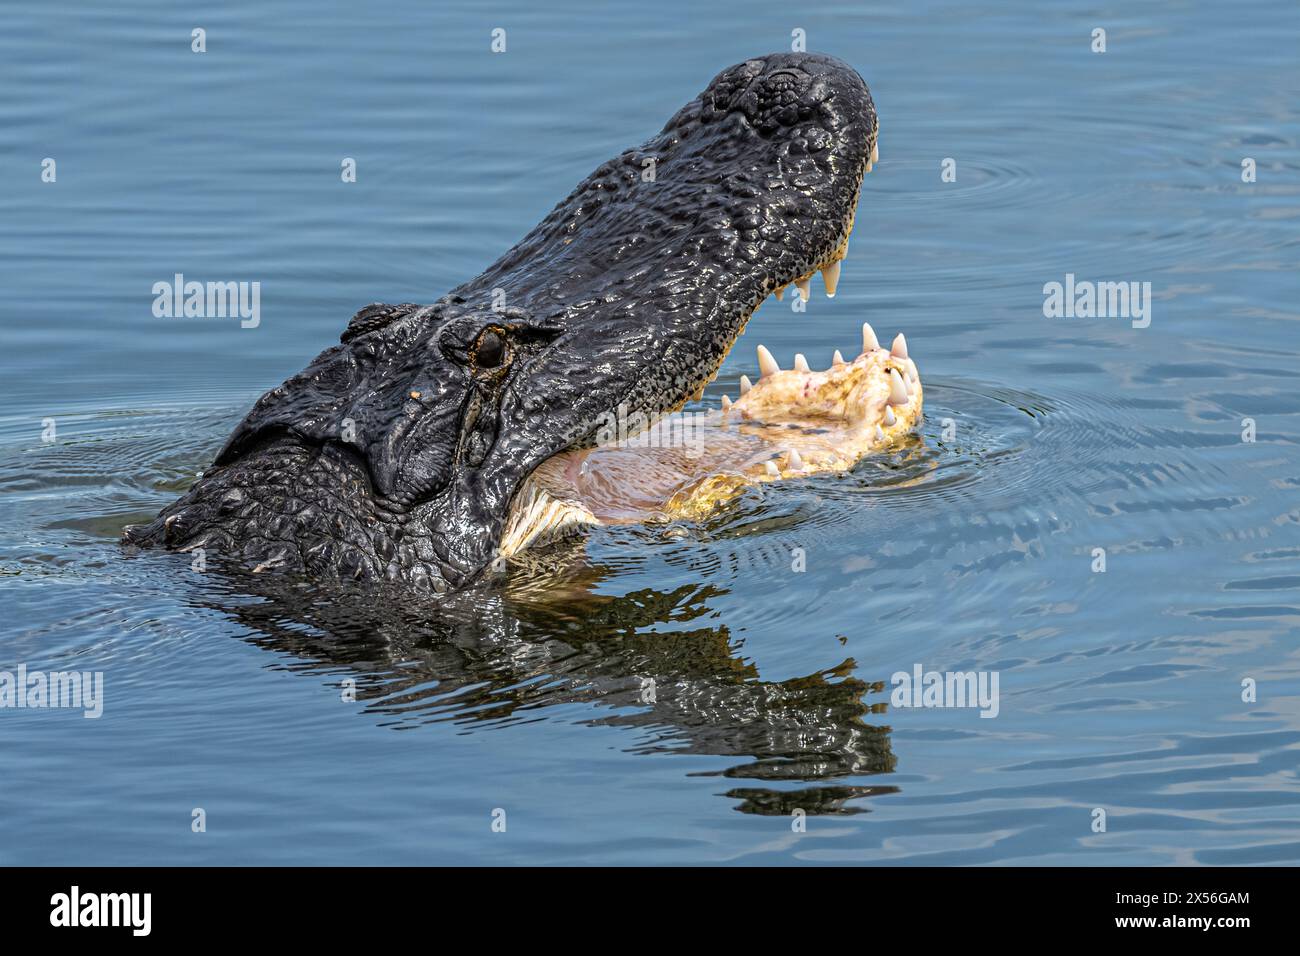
(495, 657)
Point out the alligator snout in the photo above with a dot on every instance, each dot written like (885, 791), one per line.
(400, 452)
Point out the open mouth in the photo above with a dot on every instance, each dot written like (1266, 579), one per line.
(791, 423)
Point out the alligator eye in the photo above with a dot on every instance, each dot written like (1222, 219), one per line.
(490, 349)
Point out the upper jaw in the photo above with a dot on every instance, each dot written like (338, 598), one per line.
(665, 251)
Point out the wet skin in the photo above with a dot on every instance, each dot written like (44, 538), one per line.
(397, 455)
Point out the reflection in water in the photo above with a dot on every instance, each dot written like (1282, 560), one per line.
(494, 657)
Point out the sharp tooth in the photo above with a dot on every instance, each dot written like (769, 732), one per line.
(875, 152)
(766, 364)
(745, 385)
(869, 341)
(801, 363)
(880, 433)
(804, 291)
(837, 358)
(831, 276)
(899, 349)
(795, 462)
(897, 388)
(890, 417)
(771, 469)
(726, 403)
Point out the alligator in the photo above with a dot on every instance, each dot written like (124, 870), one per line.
(436, 441)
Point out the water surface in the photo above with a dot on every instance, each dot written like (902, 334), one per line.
(971, 548)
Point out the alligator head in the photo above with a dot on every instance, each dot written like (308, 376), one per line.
(398, 453)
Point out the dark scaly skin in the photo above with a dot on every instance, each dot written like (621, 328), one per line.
(628, 294)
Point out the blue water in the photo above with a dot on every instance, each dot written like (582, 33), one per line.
(969, 549)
